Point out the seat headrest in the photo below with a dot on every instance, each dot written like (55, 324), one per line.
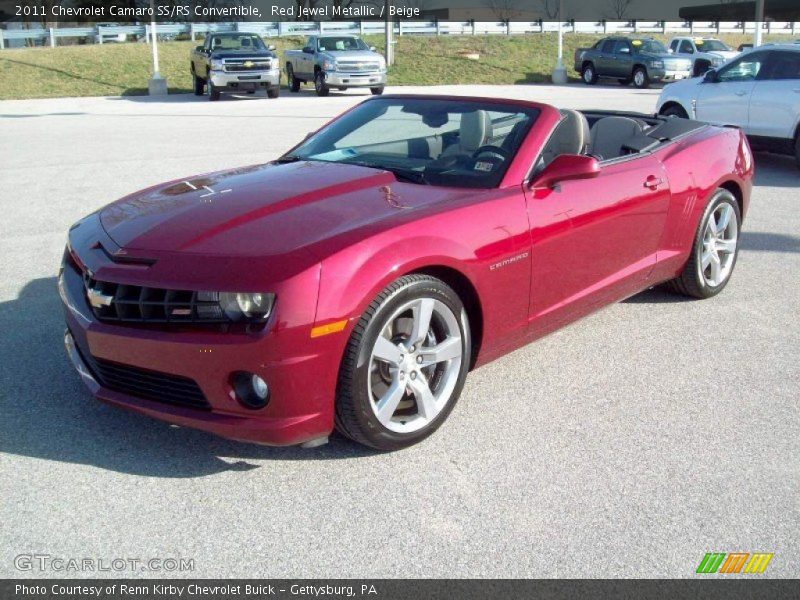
(476, 128)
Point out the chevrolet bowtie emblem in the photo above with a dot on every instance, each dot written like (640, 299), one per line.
(98, 299)
(248, 63)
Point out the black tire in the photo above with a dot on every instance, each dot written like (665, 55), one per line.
(354, 416)
(675, 111)
(376, 91)
(199, 84)
(213, 92)
(691, 281)
(273, 91)
(640, 78)
(797, 149)
(341, 88)
(320, 86)
(588, 74)
(294, 82)
(626, 81)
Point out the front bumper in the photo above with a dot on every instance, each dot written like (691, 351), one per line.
(338, 78)
(300, 372)
(668, 75)
(245, 80)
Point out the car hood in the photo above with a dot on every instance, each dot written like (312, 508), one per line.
(354, 55)
(265, 210)
(243, 54)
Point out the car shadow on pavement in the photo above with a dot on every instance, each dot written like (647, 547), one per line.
(48, 414)
(776, 170)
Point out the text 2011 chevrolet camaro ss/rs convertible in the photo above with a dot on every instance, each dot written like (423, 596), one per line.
(353, 282)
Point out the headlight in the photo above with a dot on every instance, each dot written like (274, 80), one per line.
(276, 63)
(216, 64)
(240, 306)
(382, 64)
(329, 65)
(657, 64)
(717, 61)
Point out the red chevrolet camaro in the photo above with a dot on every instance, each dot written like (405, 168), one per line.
(353, 282)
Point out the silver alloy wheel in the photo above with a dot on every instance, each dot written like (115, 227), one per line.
(719, 245)
(638, 78)
(414, 365)
(588, 74)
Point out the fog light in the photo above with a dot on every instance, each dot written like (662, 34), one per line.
(251, 390)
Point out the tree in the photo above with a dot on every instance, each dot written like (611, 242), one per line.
(549, 8)
(503, 10)
(618, 9)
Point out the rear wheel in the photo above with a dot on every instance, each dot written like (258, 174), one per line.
(588, 74)
(675, 111)
(640, 78)
(376, 91)
(294, 82)
(320, 86)
(404, 365)
(715, 248)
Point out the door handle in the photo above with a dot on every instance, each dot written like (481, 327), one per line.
(652, 182)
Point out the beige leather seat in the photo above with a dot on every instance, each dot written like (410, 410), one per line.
(610, 134)
(571, 136)
(474, 132)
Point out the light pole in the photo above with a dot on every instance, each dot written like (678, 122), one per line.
(759, 22)
(157, 86)
(389, 34)
(560, 73)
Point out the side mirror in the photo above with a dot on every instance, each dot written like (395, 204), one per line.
(670, 50)
(710, 76)
(271, 47)
(308, 50)
(372, 48)
(566, 167)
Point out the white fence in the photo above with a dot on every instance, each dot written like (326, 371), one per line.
(277, 29)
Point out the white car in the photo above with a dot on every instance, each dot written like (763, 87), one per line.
(706, 53)
(759, 91)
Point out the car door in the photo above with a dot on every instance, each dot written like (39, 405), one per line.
(623, 63)
(725, 100)
(605, 58)
(307, 58)
(594, 241)
(775, 103)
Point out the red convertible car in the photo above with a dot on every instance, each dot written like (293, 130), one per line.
(353, 282)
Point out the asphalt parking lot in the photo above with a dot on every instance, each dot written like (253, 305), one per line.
(627, 445)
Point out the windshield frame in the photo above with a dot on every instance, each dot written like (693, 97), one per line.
(258, 43)
(644, 46)
(533, 111)
(363, 47)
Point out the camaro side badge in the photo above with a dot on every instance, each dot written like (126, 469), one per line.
(98, 299)
(508, 261)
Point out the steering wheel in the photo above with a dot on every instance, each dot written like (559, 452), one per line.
(502, 153)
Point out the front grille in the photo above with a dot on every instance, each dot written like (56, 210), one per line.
(240, 65)
(138, 304)
(677, 65)
(358, 67)
(151, 385)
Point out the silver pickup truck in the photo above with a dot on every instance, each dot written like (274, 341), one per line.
(235, 62)
(338, 61)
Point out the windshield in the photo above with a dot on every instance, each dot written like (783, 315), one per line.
(237, 42)
(711, 46)
(341, 43)
(651, 46)
(426, 141)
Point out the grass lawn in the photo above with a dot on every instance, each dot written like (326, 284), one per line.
(123, 69)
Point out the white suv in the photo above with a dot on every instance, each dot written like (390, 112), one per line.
(759, 92)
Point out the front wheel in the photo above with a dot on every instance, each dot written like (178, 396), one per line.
(404, 365)
(376, 91)
(273, 91)
(319, 84)
(294, 82)
(675, 111)
(213, 92)
(198, 84)
(640, 78)
(714, 251)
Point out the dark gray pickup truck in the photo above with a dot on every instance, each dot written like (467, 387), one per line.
(637, 60)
